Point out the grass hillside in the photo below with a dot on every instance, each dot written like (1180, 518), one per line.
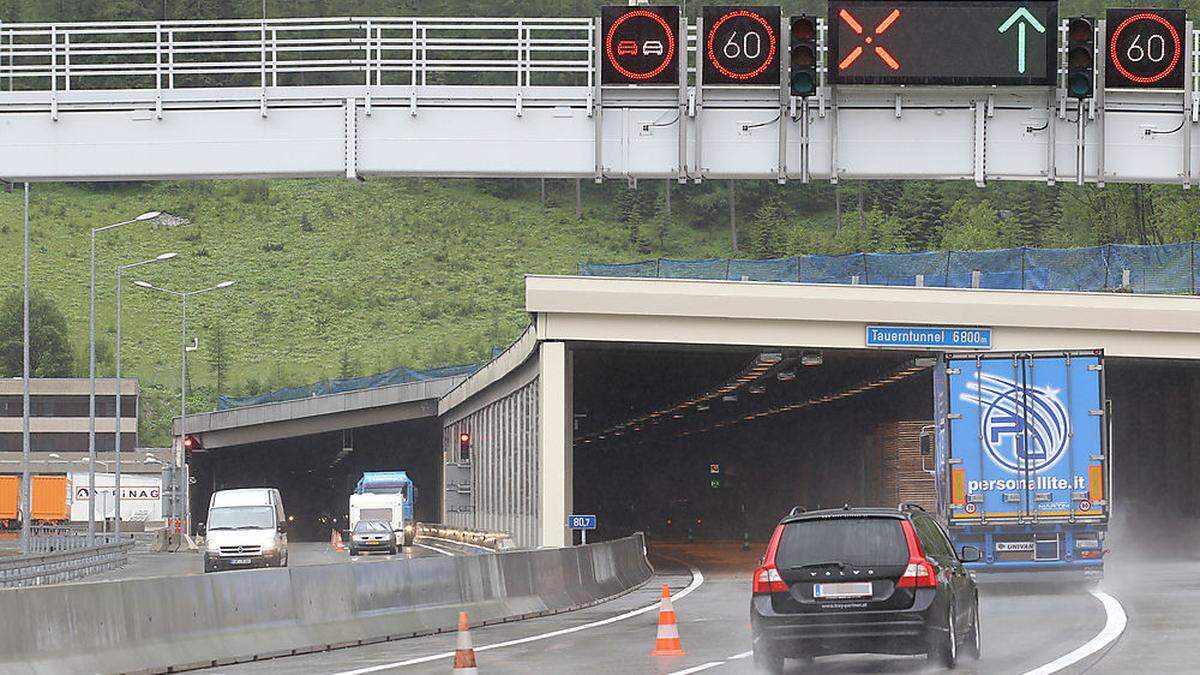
(333, 277)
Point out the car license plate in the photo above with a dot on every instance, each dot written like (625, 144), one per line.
(860, 589)
(240, 561)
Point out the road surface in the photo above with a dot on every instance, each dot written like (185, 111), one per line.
(1022, 631)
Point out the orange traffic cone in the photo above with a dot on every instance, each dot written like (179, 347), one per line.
(464, 652)
(667, 643)
(335, 540)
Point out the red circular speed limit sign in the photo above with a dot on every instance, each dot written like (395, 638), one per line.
(640, 45)
(1145, 48)
(741, 45)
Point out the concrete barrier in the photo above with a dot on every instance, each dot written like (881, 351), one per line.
(161, 624)
(64, 562)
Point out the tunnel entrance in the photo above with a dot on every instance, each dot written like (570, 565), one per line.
(719, 443)
(315, 474)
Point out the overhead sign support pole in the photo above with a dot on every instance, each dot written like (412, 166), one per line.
(784, 100)
(697, 172)
(1189, 103)
(598, 101)
(1101, 98)
(681, 172)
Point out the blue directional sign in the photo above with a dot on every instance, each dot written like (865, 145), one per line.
(929, 337)
(577, 522)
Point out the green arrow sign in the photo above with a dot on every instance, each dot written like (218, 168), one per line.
(1021, 17)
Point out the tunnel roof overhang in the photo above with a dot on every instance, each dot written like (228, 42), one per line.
(318, 414)
(705, 312)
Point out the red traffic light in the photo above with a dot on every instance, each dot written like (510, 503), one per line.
(464, 437)
(192, 443)
(804, 28)
(1079, 30)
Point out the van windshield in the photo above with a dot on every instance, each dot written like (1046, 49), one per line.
(853, 541)
(241, 518)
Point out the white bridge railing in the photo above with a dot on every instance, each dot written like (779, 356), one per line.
(292, 52)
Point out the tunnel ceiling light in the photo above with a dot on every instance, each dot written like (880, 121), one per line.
(758, 389)
(770, 358)
(702, 407)
(729, 398)
(812, 359)
(786, 375)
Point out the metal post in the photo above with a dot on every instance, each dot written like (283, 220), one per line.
(181, 459)
(26, 500)
(117, 479)
(92, 399)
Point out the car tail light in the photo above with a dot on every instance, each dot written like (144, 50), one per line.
(766, 577)
(920, 572)
(1091, 554)
(767, 580)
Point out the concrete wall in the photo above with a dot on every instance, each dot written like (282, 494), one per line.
(150, 625)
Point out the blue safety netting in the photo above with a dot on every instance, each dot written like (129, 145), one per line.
(1166, 268)
(395, 376)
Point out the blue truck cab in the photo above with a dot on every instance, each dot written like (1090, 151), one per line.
(1022, 462)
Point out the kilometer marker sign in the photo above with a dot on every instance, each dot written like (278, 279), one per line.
(1016, 18)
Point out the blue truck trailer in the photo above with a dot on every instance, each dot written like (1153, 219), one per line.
(1022, 462)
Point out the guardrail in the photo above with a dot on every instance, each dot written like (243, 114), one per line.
(62, 564)
(486, 539)
(195, 621)
(47, 539)
(295, 52)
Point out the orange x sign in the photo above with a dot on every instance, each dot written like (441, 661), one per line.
(880, 51)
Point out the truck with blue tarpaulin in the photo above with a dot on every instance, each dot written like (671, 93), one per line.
(1022, 461)
(391, 489)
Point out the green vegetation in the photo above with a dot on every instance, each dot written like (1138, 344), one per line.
(337, 279)
(49, 351)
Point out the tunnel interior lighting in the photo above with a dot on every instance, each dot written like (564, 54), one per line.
(786, 375)
(812, 359)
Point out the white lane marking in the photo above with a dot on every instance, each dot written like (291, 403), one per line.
(696, 669)
(434, 549)
(1114, 625)
(697, 579)
(743, 655)
(459, 543)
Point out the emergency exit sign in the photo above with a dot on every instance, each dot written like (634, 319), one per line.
(929, 337)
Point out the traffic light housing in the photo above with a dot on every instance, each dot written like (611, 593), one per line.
(464, 446)
(1081, 57)
(192, 443)
(803, 56)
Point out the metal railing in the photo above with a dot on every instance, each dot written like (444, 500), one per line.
(291, 52)
(63, 564)
(53, 539)
(483, 539)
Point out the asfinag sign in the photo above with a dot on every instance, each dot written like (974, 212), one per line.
(929, 337)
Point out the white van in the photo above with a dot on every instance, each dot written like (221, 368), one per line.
(245, 528)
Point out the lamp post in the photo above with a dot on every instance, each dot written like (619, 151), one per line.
(149, 215)
(117, 438)
(180, 458)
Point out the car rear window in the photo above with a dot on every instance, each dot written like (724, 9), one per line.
(854, 541)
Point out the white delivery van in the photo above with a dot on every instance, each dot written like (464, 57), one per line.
(245, 528)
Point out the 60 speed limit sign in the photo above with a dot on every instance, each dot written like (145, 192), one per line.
(1145, 48)
(741, 45)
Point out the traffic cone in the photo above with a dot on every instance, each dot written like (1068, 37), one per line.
(464, 653)
(335, 540)
(667, 643)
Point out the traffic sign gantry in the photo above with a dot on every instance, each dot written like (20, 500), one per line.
(741, 45)
(640, 45)
(1145, 48)
(942, 42)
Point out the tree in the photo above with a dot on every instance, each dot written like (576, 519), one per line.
(49, 349)
(972, 227)
(922, 212)
(769, 224)
(218, 356)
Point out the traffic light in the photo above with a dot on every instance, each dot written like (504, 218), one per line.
(803, 53)
(464, 446)
(1081, 57)
(192, 444)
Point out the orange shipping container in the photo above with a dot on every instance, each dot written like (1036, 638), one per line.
(49, 499)
(10, 489)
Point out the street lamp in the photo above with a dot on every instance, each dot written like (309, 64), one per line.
(180, 458)
(117, 438)
(149, 215)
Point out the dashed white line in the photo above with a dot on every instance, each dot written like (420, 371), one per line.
(697, 579)
(696, 669)
(434, 549)
(458, 543)
(1114, 625)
